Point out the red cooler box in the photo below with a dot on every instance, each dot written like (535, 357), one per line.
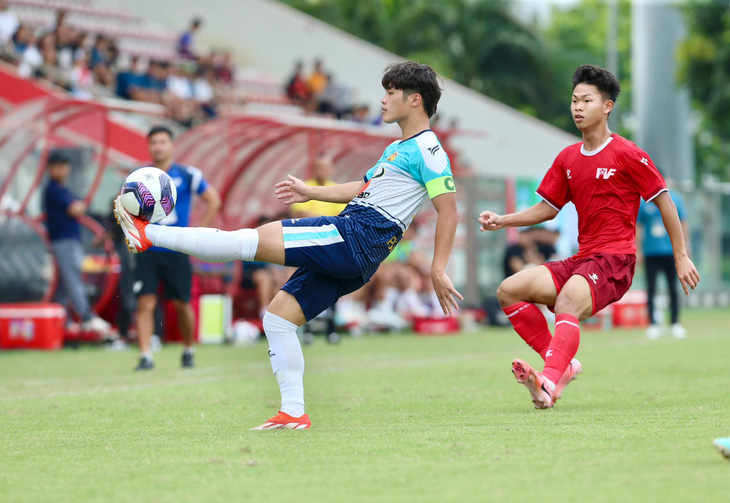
(436, 326)
(31, 326)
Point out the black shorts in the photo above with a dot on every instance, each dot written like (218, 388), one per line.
(173, 269)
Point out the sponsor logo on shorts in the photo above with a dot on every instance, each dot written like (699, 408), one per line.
(594, 277)
(271, 353)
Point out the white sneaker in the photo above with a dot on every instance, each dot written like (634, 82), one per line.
(654, 331)
(678, 331)
(97, 325)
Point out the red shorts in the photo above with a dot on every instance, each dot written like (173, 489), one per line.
(609, 275)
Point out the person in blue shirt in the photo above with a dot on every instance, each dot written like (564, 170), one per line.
(658, 257)
(185, 44)
(172, 268)
(62, 210)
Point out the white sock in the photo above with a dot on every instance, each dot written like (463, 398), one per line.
(287, 362)
(147, 355)
(209, 245)
(189, 351)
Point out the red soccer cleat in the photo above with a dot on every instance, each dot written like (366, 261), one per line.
(570, 374)
(283, 421)
(540, 388)
(133, 228)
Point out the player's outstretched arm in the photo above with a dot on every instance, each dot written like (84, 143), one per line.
(448, 219)
(295, 190)
(688, 275)
(537, 214)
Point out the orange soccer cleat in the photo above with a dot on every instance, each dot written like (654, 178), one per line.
(283, 421)
(133, 228)
(540, 388)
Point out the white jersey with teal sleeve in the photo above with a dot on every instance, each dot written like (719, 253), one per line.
(408, 172)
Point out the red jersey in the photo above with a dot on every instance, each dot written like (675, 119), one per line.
(606, 185)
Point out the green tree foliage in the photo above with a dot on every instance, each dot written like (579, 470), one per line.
(705, 68)
(578, 35)
(478, 43)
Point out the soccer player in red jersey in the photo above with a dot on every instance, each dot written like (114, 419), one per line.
(604, 176)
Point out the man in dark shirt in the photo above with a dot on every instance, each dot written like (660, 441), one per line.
(62, 211)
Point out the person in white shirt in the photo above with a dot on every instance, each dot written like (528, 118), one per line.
(8, 23)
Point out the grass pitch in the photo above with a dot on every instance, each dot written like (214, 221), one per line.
(396, 418)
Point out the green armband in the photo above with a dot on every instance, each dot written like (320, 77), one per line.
(439, 186)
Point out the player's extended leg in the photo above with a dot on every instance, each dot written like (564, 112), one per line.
(265, 244)
(518, 295)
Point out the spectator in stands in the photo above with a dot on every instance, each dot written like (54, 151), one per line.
(62, 211)
(185, 45)
(154, 83)
(360, 114)
(224, 72)
(204, 91)
(336, 99)
(296, 88)
(49, 69)
(658, 257)
(65, 37)
(101, 53)
(129, 79)
(317, 80)
(8, 23)
(173, 269)
(80, 44)
(322, 169)
(27, 54)
(81, 78)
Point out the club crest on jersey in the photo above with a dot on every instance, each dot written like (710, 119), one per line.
(605, 172)
(393, 156)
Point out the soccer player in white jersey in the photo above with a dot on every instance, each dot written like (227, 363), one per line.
(336, 255)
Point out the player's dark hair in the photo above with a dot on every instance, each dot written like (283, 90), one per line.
(55, 158)
(160, 129)
(411, 77)
(604, 80)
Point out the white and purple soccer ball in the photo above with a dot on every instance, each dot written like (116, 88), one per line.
(149, 194)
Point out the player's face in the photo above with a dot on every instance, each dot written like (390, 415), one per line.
(393, 106)
(589, 108)
(160, 146)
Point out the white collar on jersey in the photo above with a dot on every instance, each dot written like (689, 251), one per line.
(598, 150)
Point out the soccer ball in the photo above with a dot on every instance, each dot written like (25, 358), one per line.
(149, 194)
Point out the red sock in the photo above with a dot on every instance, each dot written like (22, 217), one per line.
(531, 325)
(563, 347)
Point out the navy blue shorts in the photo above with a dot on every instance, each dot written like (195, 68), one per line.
(327, 269)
